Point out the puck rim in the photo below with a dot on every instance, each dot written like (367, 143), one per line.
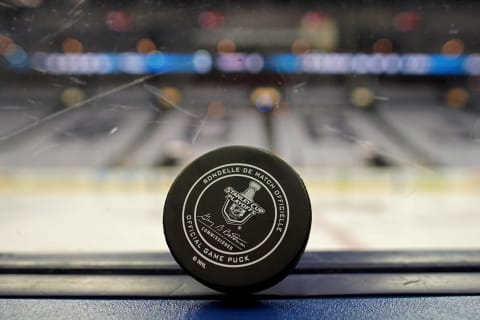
(287, 262)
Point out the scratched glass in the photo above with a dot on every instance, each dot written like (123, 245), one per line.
(102, 103)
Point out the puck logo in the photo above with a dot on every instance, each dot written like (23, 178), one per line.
(239, 207)
(230, 228)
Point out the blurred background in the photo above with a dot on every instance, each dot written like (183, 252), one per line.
(376, 104)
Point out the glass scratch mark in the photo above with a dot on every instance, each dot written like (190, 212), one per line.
(44, 149)
(8, 6)
(32, 102)
(31, 117)
(73, 107)
(77, 81)
(73, 17)
(380, 98)
(296, 88)
(201, 125)
(380, 151)
(75, 7)
(158, 93)
(7, 108)
(67, 25)
(123, 107)
(113, 130)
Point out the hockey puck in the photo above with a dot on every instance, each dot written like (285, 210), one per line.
(237, 219)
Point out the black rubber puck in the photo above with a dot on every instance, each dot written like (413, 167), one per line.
(237, 219)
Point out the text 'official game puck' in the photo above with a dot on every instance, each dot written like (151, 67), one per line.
(237, 219)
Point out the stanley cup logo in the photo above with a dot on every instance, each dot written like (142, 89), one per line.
(240, 207)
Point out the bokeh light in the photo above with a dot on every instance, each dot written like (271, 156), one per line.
(457, 97)
(119, 21)
(146, 46)
(202, 61)
(407, 21)
(254, 63)
(314, 19)
(362, 97)
(15, 55)
(211, 19)
(5, 44)
(319, 30)
(453, 47)
(72, 45)
(216, 110)
(383, 45)
(265, 98)
(226, 46)
(10, 50)
(72, 96)
(300, 46)
(169, 97)
(29, 3)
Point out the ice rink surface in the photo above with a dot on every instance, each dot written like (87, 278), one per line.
(117, 211)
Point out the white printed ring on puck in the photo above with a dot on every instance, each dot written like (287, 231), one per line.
(237, 219)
